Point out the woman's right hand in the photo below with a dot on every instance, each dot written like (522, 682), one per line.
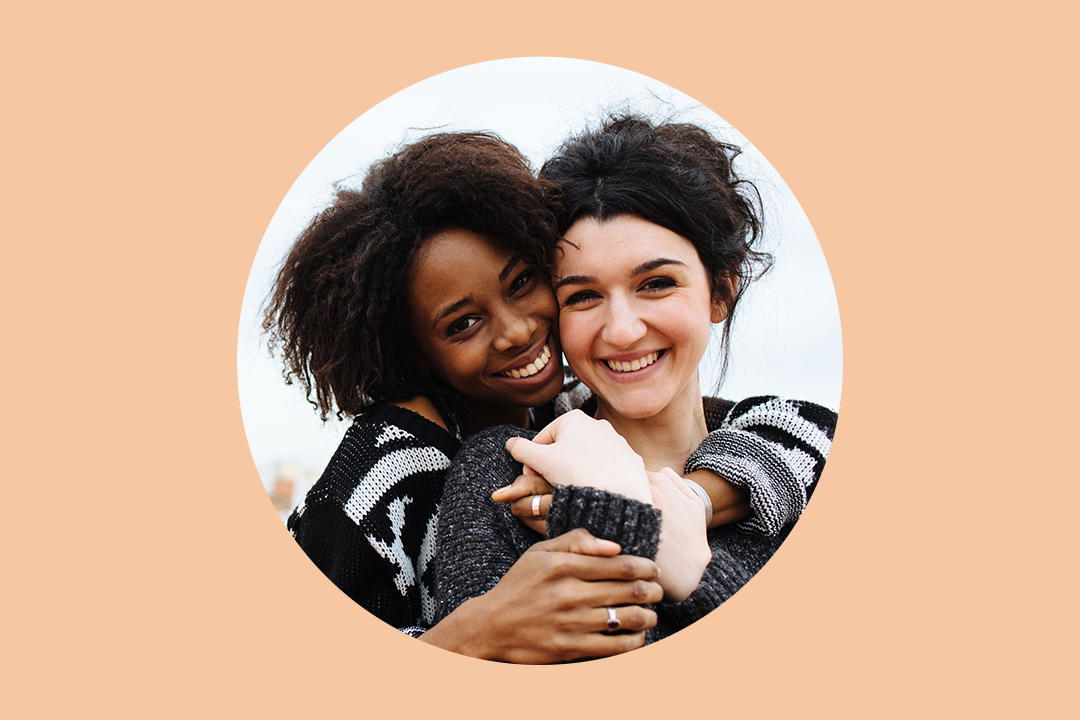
(551, 606)
(579, 450)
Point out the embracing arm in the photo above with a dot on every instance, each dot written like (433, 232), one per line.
(614, 497)
(548, 607)
(504, 596)
(772, 450)
(757, 465)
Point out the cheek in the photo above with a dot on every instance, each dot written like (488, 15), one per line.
(468, 362)
(575, 331)
(458, 366)
(543, 306)
(689, 327)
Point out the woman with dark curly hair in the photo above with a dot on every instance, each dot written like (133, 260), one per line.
(421, 307)
(657, 245)
(418, 305)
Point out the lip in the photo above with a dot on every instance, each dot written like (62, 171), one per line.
(545, 373)
(634, 375)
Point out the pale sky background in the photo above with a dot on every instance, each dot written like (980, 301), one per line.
(786, 339)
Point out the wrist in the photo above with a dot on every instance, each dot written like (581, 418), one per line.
(703, 496)
(730, 502)
(461, 631)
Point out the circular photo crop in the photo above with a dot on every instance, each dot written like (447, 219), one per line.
(539, 360)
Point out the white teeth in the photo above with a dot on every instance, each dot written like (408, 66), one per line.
(532, 368)
(641, 362)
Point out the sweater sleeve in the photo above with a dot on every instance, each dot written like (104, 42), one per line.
(636, 527)
(369, 522)
(338, 547)
(479, 539)
(606, 515)
(775, 448)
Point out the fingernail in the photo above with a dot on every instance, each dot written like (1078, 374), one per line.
(510, 442)
(500, 491)
(608, 544)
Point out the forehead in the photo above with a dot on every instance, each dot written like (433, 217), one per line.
(622, 241)
(456, 247)
(453, 265)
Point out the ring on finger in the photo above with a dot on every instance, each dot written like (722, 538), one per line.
(612, 621)
(536, 507)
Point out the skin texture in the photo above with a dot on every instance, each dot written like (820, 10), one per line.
(477, 313)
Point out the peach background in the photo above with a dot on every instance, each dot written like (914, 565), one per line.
(934, 150)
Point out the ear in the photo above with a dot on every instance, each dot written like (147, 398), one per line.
(719, 305)
(719, 311)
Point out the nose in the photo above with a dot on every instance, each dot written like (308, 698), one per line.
(516, 329)
(623, 326)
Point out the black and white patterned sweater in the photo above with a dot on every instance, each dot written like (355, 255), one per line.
(369, 523)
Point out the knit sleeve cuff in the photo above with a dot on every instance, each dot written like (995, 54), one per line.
(763, 467)
(631, 523)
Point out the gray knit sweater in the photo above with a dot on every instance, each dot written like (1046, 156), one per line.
(479, 540)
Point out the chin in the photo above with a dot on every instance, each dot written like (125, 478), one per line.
(637, 408)
(544, 395)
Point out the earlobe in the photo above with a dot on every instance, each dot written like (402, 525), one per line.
(719, 311)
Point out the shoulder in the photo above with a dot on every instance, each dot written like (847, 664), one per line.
(797, 432)
(383, 446)
(798, 417)
(424, 408)
(389, 427)
(483, 458)
(491, 443)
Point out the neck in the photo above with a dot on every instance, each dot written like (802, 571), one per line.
(477, 417)
(668, 438)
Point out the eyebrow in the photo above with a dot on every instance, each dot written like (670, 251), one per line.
(451, 309)
(509, 266)
(641, 269)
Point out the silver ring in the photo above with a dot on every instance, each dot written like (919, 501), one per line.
(612, 621)
(536, 507)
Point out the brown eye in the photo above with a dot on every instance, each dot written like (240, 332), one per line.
(580, 297)
(660, 283)
(462, 325)
(521, 281)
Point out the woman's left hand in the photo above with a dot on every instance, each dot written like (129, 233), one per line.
(684, 545)
(521, 495)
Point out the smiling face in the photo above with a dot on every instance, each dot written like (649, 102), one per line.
(484, 322)
(636, 311)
